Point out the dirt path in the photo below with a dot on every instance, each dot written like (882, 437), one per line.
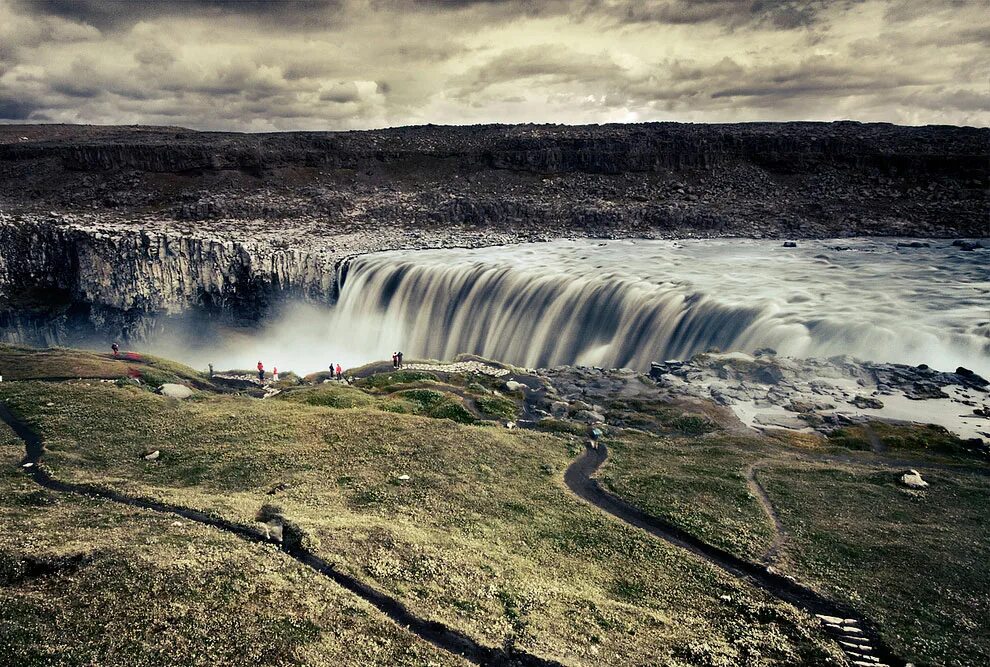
(857, 638)
(772, 554)
(434, 632)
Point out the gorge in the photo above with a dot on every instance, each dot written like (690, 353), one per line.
(139, 233)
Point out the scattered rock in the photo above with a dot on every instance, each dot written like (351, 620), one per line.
(912, 480)
(512, 385)
(151, 455)
(559, 409)
(867, 403)
(967, 245)
(780, 420)
(790, 244)
(403, 478)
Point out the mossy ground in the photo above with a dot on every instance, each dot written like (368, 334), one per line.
(850, 529)
(482, 536)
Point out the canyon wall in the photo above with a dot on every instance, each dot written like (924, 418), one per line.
(111, 227)
(57, 277)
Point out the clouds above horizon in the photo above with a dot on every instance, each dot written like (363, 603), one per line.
(342, 64)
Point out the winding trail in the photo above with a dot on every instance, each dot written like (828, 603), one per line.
(857, 638)
(756, 488)
(434, 632)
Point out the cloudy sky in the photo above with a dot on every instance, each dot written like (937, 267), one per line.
(340, 64)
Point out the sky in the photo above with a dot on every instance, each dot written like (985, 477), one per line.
(257, 65)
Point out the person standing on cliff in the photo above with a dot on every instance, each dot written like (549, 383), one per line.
(340, 372)
(399, 357)
(275, 373)
(395, 360)
(261, 372)
(116, 350)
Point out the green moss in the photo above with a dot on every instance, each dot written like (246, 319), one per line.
(386, 381)
(497, 406)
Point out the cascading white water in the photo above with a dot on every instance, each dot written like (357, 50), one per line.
(626, 303)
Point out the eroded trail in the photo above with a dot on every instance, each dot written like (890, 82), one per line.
(434, 632)
(756, 488)
(858, 639)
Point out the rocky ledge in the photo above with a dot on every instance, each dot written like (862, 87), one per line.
(766, 392)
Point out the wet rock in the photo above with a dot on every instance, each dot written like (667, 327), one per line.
(790, 244)
(867, 403)
(922, 391)
(967, 245)
(780, 420)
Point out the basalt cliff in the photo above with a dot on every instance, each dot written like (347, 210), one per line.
(112, 227)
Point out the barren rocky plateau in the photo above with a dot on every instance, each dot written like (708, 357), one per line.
(468, 183)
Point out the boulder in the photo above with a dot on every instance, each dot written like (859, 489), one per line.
(559, 409)
(175, 390)
(912, 480)
(780, 420)
(867, 403)
(790, 244)
(512, 385)
(151, 455)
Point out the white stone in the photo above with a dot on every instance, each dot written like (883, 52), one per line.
(912, 479)
(175, 390)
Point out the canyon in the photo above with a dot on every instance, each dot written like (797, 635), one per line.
(107, 231)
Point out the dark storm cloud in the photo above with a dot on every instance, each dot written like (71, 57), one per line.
(299, 64)
(109, 14)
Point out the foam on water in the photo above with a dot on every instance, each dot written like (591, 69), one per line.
(626, 303)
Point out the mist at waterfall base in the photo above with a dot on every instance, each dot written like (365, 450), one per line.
(627, 303)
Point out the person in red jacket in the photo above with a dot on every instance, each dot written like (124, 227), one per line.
(261, 371)
(340, 372)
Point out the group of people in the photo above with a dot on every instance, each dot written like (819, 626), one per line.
(396, 360)
(335, 371)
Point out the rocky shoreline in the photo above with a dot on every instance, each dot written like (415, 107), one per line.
(766, 392)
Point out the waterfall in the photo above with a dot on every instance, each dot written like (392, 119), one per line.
(627, 303)
(586, 306)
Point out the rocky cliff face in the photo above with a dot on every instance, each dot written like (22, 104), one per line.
(57, 277)
(111, 225)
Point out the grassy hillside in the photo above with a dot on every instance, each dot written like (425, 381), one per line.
(913, 561)
(468, 524)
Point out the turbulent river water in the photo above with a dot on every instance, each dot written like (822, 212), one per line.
(627, 303)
